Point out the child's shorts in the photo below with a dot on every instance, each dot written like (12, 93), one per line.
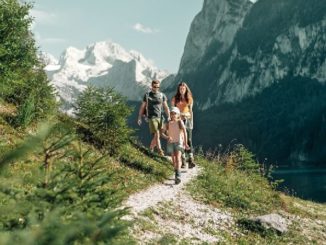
(173, 147)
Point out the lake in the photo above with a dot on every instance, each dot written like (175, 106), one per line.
(308, 183)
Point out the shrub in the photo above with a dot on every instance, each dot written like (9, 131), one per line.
(103, 112)
(235, 181)
(74, 206)
(26, 112)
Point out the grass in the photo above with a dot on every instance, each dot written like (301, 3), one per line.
(248, 194)
(233, 183)
(243, 192)
(80, 184)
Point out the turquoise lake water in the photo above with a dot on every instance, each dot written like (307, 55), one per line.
(308, 183)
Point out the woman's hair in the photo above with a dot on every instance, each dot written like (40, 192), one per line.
(188, 94)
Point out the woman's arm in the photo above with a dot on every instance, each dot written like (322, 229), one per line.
(191, 112)
(184, 131)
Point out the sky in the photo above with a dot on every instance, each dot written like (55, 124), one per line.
(156, 28)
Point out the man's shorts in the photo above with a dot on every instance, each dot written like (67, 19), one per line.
(173, 147)
(155, 124)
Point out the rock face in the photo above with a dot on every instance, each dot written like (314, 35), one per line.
(102, 64)
(258, 73)
(212, 32)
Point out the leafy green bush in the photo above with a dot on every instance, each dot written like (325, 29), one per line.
(21, 72)
(104, 114)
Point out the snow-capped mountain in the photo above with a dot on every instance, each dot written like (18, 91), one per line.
(101, 64)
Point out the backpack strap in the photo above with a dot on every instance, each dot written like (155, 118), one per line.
(147, 95)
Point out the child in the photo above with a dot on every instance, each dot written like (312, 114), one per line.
(176, 134)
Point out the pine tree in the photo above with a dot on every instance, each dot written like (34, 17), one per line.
(103, 112)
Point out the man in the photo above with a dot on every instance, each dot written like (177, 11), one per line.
(154, 101)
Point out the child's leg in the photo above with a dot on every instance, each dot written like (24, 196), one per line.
(177, 166)
(178, 159)
(174, 161)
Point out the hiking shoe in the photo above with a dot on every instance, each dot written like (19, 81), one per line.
(191, 163)
(177, 180)
(183, 163)
(160, 152)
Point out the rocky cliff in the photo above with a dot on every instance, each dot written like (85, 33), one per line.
(247, 63)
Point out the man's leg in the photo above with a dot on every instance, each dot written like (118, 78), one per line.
(152, 145)
(158, 143)
(152, 129)
(158, 140)
(155, 127)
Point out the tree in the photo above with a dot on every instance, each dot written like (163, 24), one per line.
(104, 113)
(23, 81)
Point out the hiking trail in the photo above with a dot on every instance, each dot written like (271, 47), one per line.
(167, 210)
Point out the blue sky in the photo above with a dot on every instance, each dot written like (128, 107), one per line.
(156, 28)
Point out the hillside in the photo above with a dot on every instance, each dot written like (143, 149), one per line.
(84, 184)
(87, 180)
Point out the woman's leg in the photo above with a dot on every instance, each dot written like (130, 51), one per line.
(190, 151)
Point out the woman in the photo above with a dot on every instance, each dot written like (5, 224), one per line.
(184, 101)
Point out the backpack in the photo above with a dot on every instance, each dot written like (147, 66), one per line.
(145, 113)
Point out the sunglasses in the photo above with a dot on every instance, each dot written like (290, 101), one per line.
(156, 86)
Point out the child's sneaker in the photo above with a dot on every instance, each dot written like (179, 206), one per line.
(177, 180)
(177, 177)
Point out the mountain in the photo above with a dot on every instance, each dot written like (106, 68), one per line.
(258, 74)
(101, 64)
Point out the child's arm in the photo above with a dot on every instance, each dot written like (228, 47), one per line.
(165, 134)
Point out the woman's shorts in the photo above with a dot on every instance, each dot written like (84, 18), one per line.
(155, 124)
(173, 147)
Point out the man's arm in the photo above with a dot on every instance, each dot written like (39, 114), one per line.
(141, 112)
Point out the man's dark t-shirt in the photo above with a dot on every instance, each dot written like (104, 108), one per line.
(155, 103)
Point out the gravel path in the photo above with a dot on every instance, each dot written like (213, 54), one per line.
(166, 210)
(160, 192)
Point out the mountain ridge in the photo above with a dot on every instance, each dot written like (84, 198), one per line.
(101, 64)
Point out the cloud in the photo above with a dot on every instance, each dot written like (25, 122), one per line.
(49, 40)
(42, 17)
(141, 28)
